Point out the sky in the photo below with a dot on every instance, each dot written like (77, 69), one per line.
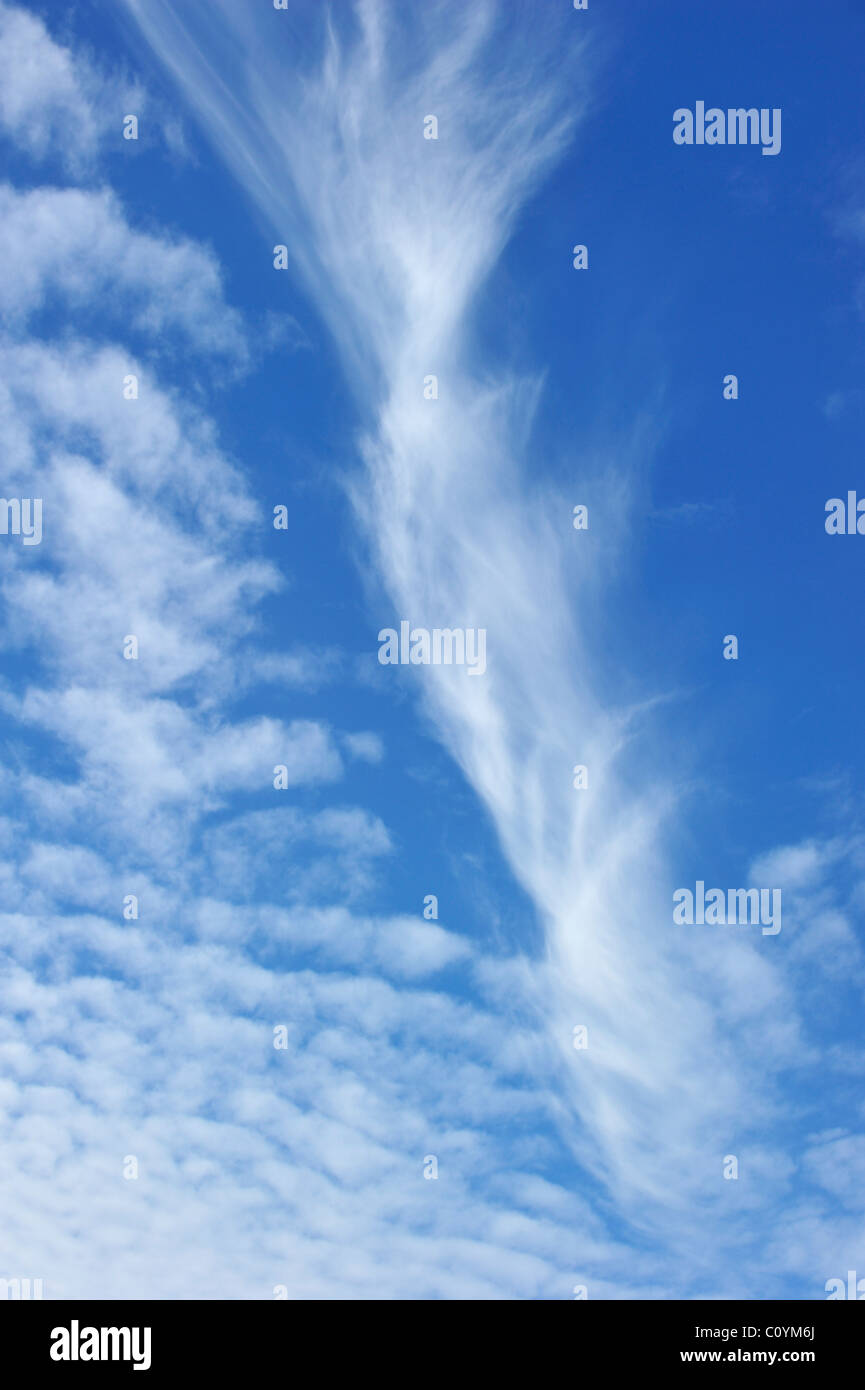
(320, 976)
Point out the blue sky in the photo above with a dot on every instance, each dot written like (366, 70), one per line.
(301, 1169)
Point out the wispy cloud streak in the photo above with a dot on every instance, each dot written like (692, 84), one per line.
(395, 236)
(321, 121)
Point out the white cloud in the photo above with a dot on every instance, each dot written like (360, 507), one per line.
(63, 109)
(77, 246)
(154, 1037)
(48, 97)
(460, 537)
(394, 236)
(367, 746)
